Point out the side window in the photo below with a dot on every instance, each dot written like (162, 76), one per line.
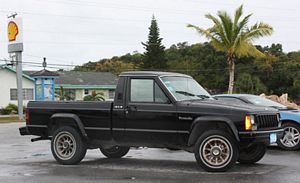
(160, 97)
(141, 90)
(146, 90)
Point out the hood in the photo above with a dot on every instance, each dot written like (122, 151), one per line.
(226, 106)
(290, 115)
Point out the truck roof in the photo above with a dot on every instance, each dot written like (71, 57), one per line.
(152, 73)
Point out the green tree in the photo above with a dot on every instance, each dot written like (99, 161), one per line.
(234, 37)
(94, 97)
(249, 84)
(154, 56)
(62, 94)
(116, 67)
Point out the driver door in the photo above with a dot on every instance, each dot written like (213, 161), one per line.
(151, 117)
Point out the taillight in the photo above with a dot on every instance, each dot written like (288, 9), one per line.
(27, 116)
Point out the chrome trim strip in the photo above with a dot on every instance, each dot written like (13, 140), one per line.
(150, 130)
(122, 129)
(261, 132)
(88, 109)
(37, 126)
(158, 111)
(96, 128)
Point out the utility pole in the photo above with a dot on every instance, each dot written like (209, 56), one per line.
(19, 83)
(15, 48)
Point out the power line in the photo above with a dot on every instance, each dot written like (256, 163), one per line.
(36, 63)
(143, 8)
(252, 69)
(122, 19)
(52, 58)
(89, 17)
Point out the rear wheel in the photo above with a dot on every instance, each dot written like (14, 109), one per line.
(290, 140)
(68, 146)
(216, 151)
(115, 151)
(252, 154)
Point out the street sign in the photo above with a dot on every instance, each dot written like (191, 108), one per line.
(15, 47)
(15, 34)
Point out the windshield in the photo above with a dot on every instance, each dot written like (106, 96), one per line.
(184, 88)
(257, 100)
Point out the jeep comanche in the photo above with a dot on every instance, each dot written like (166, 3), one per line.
(156, 110)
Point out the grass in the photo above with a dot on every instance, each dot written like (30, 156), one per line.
(10, 119)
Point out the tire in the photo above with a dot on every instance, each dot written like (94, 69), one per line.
(252, 154)
(220, 146)
(291, 139)
(68, 146)
(115, 151)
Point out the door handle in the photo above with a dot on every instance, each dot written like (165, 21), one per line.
(131, 109)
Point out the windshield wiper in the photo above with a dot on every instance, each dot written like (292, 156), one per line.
(192, 95)
(203, 96)
(185, 93)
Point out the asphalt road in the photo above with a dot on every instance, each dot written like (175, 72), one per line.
(24, 161)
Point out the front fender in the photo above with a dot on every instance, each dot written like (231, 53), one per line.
(74, 117)
(201, 123)
(290, 116)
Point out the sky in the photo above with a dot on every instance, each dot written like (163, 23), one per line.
(73, 32)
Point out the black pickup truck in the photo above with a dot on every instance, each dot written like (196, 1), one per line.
(156, 110)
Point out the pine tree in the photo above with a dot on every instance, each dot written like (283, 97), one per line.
(154, 56)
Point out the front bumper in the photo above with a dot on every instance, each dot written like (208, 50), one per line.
(260, 136)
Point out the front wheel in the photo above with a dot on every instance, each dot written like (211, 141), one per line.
(216, 151)
(252, 154)
(67, 146)
(115, 151)
(291, 139)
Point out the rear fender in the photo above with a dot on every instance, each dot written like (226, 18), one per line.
(74, 118)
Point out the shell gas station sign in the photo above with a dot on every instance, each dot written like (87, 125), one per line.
(14, 30)
(15, 34)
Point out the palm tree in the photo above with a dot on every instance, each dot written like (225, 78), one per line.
(234, 37)
(62, 94)
(94, 97)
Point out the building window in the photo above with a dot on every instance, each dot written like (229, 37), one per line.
(86, 91)
(111, 94)
(27, 94)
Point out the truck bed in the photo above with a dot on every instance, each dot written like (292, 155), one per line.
(93, 114)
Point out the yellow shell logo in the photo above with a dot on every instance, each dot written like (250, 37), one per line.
(13, 31)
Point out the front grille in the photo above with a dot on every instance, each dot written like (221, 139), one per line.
(266, 121)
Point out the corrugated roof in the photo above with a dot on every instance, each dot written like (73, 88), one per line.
(84, 78)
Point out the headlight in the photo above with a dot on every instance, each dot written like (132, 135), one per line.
(250, 123)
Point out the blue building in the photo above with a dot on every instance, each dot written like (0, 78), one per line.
(44, 85)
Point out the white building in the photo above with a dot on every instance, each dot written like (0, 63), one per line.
(8, 87)
(76, 84)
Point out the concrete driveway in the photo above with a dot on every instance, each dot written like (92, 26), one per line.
(24, 161)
